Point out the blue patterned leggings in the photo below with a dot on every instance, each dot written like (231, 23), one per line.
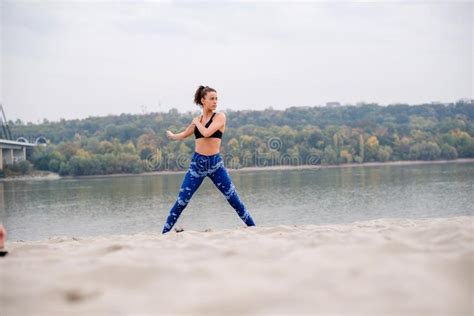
(200, 167)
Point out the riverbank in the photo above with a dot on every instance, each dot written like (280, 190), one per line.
(377, 267)
(355, 165)
(54, 176)
(35, 175)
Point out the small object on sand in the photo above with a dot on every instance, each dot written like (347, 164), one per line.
(178, 229)
(207, 230)
(3, 237)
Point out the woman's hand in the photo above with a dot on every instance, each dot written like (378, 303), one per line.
(196, 120)
(170, 135)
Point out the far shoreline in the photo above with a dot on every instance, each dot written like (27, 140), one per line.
(44, 175)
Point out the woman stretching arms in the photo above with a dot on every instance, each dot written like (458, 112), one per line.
(206, 159)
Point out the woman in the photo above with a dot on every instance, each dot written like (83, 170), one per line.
(206, 159)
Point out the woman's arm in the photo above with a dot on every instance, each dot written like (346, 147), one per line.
(217, 123)
(180, 136)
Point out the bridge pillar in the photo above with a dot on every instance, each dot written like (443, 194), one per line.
(10, 159)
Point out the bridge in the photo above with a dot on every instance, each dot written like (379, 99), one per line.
(12, 151)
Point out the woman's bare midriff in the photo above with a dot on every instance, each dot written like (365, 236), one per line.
(207, 146)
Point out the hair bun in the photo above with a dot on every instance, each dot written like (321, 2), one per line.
(201, 93)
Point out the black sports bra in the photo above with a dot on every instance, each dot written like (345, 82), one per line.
(216, 134)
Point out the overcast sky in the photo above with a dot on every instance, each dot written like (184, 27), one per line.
(78, 59)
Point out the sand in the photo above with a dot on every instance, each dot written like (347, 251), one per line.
(378, 267)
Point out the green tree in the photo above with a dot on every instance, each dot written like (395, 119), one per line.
(448, 152)
(425, 151)
(329, 156)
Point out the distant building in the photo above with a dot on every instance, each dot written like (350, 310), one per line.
(332, 104)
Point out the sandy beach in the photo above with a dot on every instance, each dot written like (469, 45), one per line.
(378, 267)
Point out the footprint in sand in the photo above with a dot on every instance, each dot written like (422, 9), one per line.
(111, 249)
(76, 295)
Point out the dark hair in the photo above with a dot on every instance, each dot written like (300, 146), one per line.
(201, 93)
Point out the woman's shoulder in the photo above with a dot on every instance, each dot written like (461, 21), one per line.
(221, 114)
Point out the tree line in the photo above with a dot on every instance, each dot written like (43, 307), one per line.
(135, 143)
